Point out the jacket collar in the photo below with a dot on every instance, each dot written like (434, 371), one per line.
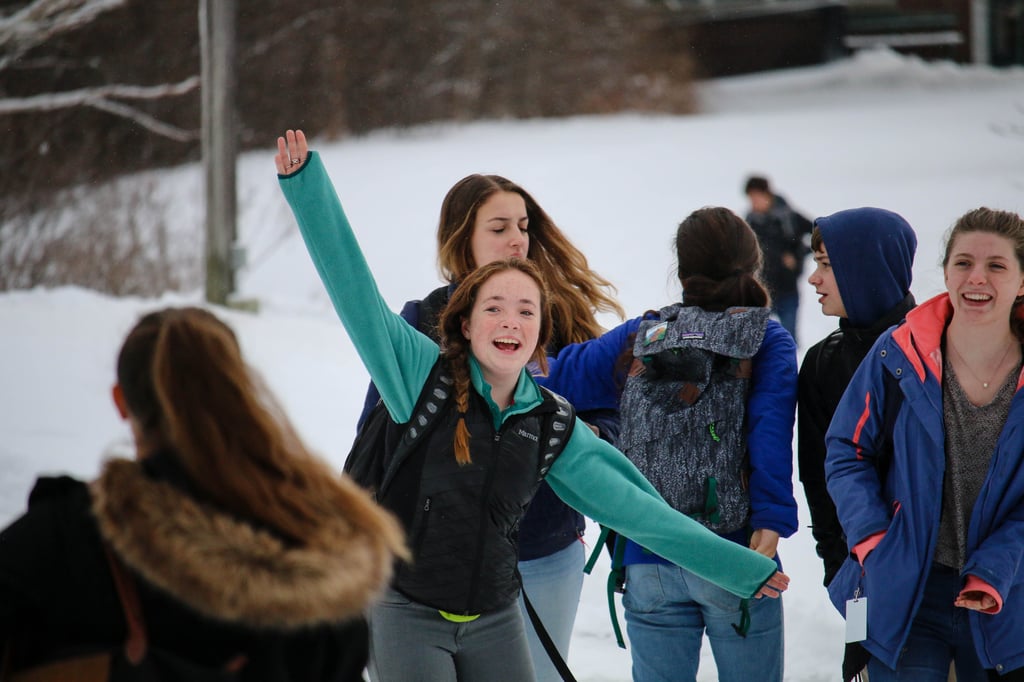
(231, 570)
(920, 338)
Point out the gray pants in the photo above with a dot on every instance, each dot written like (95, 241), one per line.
(410, 642)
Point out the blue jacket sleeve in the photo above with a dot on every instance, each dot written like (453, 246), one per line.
(398, 357)
(596, 479)
(585, 373)
(771, 412)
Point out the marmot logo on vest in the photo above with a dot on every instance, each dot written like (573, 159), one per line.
(526, 434)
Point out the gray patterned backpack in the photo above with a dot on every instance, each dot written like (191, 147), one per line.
(684, 408)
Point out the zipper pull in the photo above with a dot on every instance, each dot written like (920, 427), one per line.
(426, 505)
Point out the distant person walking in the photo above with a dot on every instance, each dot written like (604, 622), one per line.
(780, 230)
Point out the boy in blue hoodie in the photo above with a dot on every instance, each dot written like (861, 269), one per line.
(863, 260)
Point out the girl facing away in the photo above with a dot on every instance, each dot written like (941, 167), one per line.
(248, 553)
(707, 413)
(451, 613)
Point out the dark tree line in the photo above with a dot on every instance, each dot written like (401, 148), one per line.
(94, 88)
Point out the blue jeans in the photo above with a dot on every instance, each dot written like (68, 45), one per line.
(410, 642)
(785, 308)
(553, 584)
(669, 609)
(939, 634)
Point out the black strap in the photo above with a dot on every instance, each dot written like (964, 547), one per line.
(136, 641)
(545, 638)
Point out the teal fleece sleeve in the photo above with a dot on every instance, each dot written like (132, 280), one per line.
(398, 357)
(597, 480)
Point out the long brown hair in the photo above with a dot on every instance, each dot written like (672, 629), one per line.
(719, 261)
(1005, 224)
(184, 381)
(455, 347)
(577, 292)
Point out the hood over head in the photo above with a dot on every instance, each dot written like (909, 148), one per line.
(872, 255)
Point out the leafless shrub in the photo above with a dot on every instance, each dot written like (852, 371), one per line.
(114, 239)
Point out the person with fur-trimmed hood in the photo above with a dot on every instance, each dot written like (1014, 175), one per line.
(246, 552)
(863, 259)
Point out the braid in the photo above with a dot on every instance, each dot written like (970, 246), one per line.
(460, 372)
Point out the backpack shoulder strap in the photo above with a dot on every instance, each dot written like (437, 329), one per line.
(381, 445)
(435, 394)
(558, 428)
(136, 642)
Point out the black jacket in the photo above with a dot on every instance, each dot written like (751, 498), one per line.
(780, 231)
(825, 372)
(462, 521)
(211, 586)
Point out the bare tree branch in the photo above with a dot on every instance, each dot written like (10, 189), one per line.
(144, 120)
(99, 98)
(40, 20)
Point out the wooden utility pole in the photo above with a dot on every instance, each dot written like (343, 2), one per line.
(217, 54)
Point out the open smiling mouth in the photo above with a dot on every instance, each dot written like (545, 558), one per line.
(506, 344)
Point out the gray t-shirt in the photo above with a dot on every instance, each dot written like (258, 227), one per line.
(971, 435)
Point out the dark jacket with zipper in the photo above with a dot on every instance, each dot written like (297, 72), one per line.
(825, 373)
(462, 521)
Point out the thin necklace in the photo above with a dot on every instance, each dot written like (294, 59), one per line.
(984, 384)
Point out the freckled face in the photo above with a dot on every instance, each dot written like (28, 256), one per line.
(500, 229)
(504, 325)
(983, 277)
(823, 279)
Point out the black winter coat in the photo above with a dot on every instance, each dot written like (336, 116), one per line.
(780, 232)
(462, 521)
(210, 586)
(825, 373)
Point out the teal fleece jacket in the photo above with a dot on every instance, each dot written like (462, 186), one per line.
(590, 475)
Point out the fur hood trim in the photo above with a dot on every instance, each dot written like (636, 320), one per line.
(232, 571)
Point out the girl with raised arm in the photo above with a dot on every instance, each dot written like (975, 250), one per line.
(451, 613)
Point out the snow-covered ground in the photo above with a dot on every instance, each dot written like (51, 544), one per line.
(929, 141)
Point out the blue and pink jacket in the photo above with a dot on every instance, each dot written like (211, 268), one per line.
(906, 506)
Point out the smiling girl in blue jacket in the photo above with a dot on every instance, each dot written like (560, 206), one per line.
(937, 542)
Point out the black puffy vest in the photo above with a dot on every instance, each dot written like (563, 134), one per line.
(462, 521)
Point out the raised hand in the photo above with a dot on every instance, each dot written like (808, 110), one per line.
(292, 152)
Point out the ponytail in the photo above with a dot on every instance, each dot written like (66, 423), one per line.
(185, 381)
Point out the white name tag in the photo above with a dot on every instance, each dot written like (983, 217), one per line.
(857, 619)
